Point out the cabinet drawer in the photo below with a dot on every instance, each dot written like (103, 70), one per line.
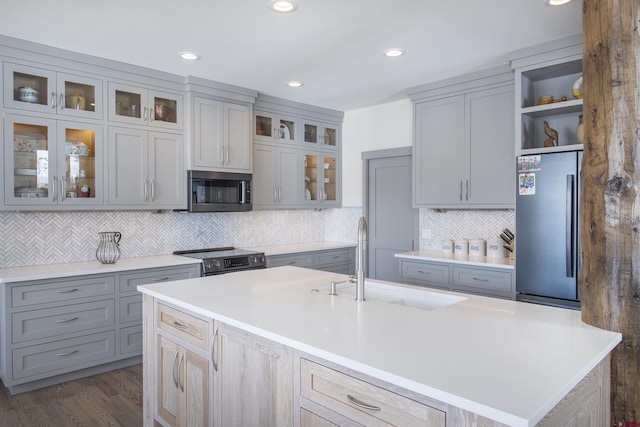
(303, 260)
(130, 281)
(63, 356)
(131, 341)
(131, 309)
(184, 326)
(362, 402)
(333, 257)
(483, 280)
(309, 419)
(52, 322)
(424, 272)
(61, 290)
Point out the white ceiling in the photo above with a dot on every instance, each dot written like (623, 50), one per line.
(333, 46)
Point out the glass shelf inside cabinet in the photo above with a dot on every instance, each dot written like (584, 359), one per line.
(30, 160)
(329, 137)
(128, 104)
(80, 163)
(263, 126)
(310, 177)
(30, 88)
(165, 110)
(79, 96)
(329, 167)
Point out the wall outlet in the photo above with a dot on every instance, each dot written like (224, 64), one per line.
(426, 233)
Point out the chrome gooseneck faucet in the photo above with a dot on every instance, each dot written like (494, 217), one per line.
(362, 249)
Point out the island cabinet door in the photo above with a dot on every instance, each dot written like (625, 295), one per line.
(182, 385)
(253, 380)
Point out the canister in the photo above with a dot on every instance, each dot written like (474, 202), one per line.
(477, 247)
(461, 247)
(447, 246)
(495, 248)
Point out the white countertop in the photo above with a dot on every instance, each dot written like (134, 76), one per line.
(440, 256)
(292, 248)
(506, 360)
(48, 271)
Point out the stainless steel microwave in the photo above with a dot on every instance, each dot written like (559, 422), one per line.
(219, 191)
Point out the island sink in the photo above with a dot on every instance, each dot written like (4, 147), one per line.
(417, 298)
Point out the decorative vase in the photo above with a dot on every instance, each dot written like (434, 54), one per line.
(108, 250)
(580, 130)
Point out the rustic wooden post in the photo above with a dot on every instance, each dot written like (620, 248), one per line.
(610, 218)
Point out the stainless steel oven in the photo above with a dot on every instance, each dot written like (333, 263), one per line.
(226, 260)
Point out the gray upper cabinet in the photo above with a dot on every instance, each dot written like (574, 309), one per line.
(138, 105)
(147, 169)
(320, 135)
(463, 147)
(277, 171)
(222, 136)
(48, 91)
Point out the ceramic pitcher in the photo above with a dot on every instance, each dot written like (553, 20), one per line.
(108, 250)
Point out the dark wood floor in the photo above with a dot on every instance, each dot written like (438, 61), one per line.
(110, 399)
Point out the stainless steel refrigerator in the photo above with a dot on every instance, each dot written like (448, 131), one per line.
(547, 245)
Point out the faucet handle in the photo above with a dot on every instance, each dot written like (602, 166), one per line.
(352, 279)
(333, 288)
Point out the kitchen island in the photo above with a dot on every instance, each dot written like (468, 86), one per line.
(476, 360)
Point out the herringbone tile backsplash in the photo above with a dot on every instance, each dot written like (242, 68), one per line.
(29, 238)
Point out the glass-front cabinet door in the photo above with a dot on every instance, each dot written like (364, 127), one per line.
(275, 128)
(136, 105)
(321, 178)
(49, 162)
(46, 91)
(320, 134)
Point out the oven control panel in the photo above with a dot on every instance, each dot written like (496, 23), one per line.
(234, 263)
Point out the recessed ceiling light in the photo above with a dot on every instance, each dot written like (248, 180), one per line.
(283, 6)
(295, 84)
(189, 56)
(392, 53)
(557, 2)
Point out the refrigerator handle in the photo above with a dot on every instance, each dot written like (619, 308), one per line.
(569, 225)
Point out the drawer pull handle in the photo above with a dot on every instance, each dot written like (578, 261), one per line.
(424, 272)
(66, 291)
(70, 319)
(162, 279)
(213, 351)
(179, 325)
(480, 280)
(361, 404)
(174, 373)
(68, 353)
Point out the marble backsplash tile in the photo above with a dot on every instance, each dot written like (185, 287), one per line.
(29, 238)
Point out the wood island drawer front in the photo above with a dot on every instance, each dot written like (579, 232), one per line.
(52, 322)
(332, 257)
(185, 326)
(425, 272)
(63, 356)
(131, 309)
(361, 401)
(61, 290)
(305, 260)
(483, 279)
(130, 282)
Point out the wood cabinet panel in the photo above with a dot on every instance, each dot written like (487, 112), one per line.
(188, 328)
(61, 290)
(363, 402)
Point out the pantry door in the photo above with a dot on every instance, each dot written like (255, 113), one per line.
(393, 223)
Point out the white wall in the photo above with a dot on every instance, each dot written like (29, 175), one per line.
(374, 128)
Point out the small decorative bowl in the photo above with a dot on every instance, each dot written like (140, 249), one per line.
(547, 99)
(28, 94)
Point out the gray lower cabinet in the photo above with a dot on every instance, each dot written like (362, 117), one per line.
(340, 260)
(487, 281)
(68, 327)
